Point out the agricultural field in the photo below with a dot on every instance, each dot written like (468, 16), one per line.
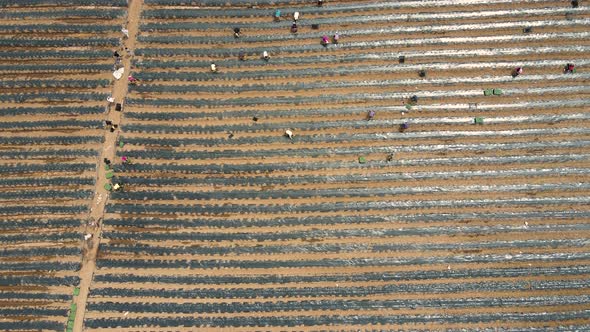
(461, 203)
(55, 66)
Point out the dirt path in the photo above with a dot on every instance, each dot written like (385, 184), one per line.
(101, 195)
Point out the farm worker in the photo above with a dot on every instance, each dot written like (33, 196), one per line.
(237, 32)
(265, 56)
(569, 68)
(110, 99)
(125, 32)
(336, 38)
(295, 16)
(116, 187)
(403, 127)
(320, 3)
(124, 159)
(213, 68)
(517, 71)
(294, 27)
(289, 133)
(371, 115)
(132, 79)
(277, 14)
(242, 56)
(325, 40)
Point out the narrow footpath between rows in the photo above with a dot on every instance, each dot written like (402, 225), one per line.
(109, 152)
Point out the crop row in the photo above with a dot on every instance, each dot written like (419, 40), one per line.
(340, 234)
(365, 45)
(50, 111)
(293, 321)
(322, 305)
(142, 250)
(392, 135)
(389, 31)
(33, 312)
(314, 153)
(47, 153)
(101, 13)
(363, 57)
(381, 136)
(59, 28)
(58, 68)
(50, 140)
(31, 280)
(337, 262)
(301, 7)
(44, 194)
(264, 279)
(45, 237)
(53, 124)
(28, 3)
(419, 16)
(58, 54)
(343, 291)
(6, 84)
(62, 42)
(341, 206)
(348, 111)
(39, 223)
(31, 325)
(50, 182)
(20, 210)
(332, 193)
(346, 70)
(54, 167)
(386, 84)
(52, 96)
(350, 178)
(23, 252)
(278, 222)
(348, 124)
(315, 166)
(432, 96)
(40, 266)
(35, 296)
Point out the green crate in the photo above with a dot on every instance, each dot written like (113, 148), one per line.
(73, 307)
(76, 291)
(478, 120)
(108, 187)
(121, 144)
(488, 92)
(70, 325)
(107, 167)
(362, 160)
(497, 92)
(109, 175)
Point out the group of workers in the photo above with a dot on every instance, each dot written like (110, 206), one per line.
(265, 55)
(569, 68)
